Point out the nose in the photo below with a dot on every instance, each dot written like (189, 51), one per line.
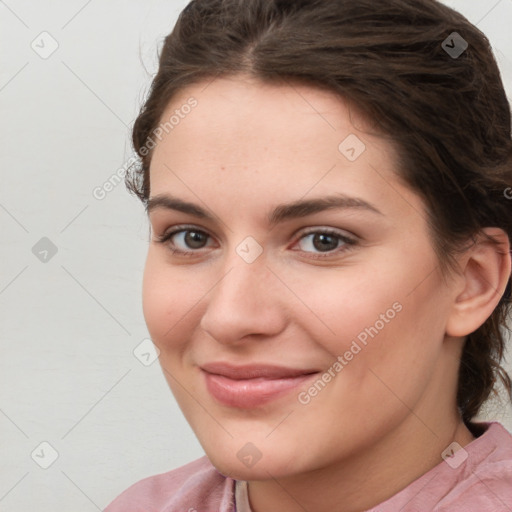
(247, 301)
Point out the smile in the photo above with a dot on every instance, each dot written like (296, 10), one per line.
(252, 386)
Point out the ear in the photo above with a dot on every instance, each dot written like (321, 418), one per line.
(485, 272)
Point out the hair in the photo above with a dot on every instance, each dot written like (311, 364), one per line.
(447, 115)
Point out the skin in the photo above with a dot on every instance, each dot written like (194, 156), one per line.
(385, 419)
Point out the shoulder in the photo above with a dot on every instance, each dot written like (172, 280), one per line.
(485, 478)
(194, 487)
(477, 477)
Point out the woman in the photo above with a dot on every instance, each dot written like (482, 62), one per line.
(328, 275)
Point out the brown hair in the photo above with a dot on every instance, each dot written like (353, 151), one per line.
(447, 114)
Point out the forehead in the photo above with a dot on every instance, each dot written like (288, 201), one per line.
(247, 137)
(245, 109)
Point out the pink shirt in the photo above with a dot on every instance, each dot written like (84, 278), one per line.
(480, 482)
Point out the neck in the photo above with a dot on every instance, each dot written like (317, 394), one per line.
(365, 480)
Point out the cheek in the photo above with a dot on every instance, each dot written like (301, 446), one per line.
(380, 315)
(168, 301)
(343, 303)
(156, 303)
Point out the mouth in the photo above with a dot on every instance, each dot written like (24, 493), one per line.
(251, 386)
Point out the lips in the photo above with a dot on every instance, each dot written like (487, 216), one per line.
(252, 385)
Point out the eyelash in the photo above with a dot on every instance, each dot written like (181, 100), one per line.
(347, 242)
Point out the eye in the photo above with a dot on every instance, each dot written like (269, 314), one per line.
(324, 241)
(186, 240)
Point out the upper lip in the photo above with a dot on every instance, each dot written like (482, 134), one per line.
(254, 371)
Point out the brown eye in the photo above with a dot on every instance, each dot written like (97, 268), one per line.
(324, 242)
(195, 239)
(320, 242)
(186, 240)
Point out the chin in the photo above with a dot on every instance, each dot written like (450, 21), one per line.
(241, 467)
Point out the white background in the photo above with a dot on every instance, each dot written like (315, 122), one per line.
(68, 327)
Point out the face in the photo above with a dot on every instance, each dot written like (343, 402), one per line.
(291, 285)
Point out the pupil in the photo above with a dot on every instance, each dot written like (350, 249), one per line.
(325, 242)
(195, 240)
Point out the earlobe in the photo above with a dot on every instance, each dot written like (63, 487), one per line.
(484, 274)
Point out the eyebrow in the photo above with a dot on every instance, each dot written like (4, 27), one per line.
(282, 212)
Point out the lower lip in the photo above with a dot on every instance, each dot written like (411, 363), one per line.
(249, 393)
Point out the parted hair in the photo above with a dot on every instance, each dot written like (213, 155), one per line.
(445, 112)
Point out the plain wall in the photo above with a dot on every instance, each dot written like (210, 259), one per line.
(69, 324)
